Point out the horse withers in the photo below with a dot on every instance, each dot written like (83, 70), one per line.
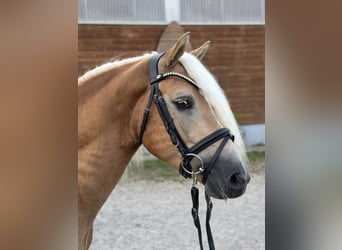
(172, 105)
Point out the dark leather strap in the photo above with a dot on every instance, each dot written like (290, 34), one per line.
(194, 213)
(209, 140)
(213, 160)
(170, 127)
(153, 71)
(145, 117)
(153, 67)
(207, 222)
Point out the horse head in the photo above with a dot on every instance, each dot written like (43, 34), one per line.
(190, 124)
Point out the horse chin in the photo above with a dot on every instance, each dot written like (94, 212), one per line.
(216, 195)
(215, 190)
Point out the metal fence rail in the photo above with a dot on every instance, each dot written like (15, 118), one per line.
(165, 11)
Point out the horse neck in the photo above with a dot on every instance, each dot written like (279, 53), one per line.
(109, 110)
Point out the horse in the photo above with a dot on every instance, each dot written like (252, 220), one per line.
(179, 115)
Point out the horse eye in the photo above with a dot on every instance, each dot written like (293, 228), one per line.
(183, 103)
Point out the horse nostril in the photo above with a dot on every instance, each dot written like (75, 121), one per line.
(238, 181)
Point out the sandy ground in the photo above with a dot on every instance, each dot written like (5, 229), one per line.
(156, 215)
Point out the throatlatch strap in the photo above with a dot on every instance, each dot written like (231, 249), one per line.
(144, 121)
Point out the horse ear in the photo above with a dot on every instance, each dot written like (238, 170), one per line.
(170, 59)
(201, 51)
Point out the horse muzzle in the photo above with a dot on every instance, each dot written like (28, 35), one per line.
(227, 181)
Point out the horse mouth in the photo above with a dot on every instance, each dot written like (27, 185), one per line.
(234, 189)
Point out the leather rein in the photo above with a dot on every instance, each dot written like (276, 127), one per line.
(187, 153)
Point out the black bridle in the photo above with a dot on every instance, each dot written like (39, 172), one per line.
(187, 153)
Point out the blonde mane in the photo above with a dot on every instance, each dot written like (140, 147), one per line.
(109, 66)
(215, 97)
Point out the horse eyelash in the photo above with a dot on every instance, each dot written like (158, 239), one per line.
(183, 103)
